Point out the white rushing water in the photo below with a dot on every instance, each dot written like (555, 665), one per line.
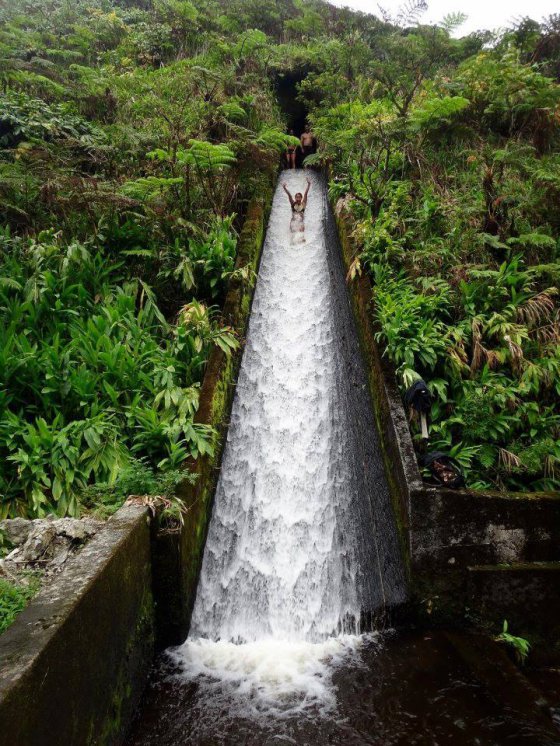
(293, 554)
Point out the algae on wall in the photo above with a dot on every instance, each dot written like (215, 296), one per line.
(396, 446)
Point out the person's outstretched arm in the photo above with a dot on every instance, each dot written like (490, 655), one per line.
(285, 188)
(306, 192)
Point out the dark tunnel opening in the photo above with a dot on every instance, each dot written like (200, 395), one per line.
(286, 94)
(286, 87)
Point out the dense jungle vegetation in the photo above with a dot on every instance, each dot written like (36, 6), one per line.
(132, 136)
(446, 154)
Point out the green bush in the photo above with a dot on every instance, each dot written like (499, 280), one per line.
(92, 373)
(450, 174)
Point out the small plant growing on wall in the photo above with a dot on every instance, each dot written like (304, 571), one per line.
(519, 645)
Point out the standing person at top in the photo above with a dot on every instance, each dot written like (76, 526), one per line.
(308, 142)
(291, 153)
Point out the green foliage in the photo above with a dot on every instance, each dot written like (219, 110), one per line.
(132, 135)
(213, 258)
(507, 94)
(446, 158)
(23, 118)
(126, 155)
(276, 140)
(91, 373)
(437, 113)
(137, 479)
(14, 598)
(412, 333)
(520, 646)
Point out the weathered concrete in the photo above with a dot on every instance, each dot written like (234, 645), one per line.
(398, 450)
(178, 556)
(527, 595)
(44, 544)
(466, 527)
(74, 663)
(447, 534)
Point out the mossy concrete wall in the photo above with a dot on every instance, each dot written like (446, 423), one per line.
(178, 556)
(472, 556)
(74, 663)
(398, 452)
(468, 527)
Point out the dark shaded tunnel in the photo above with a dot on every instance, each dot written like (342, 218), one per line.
(285, 85)
(286, 88)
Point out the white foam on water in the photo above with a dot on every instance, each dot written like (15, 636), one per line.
(268, 677)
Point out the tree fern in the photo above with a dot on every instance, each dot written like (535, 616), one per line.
(275, 139)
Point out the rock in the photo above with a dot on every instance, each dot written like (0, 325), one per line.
(16, 530)
(45, 544)
(37, 545)
(12, 557)
(75, 529)
(61, 553)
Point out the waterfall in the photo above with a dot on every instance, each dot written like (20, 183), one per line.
(302, 542)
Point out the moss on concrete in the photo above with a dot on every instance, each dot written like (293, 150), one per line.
(398, 454)
(123, 700)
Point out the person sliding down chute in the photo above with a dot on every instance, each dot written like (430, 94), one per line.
(299, 202)
(298, 205)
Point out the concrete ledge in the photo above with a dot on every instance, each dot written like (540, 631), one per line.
(178, 556)
(466, 527)
(74, 663)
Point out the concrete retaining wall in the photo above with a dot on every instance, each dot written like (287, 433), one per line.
(74, 663)
(466, 528)
(178, 556)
